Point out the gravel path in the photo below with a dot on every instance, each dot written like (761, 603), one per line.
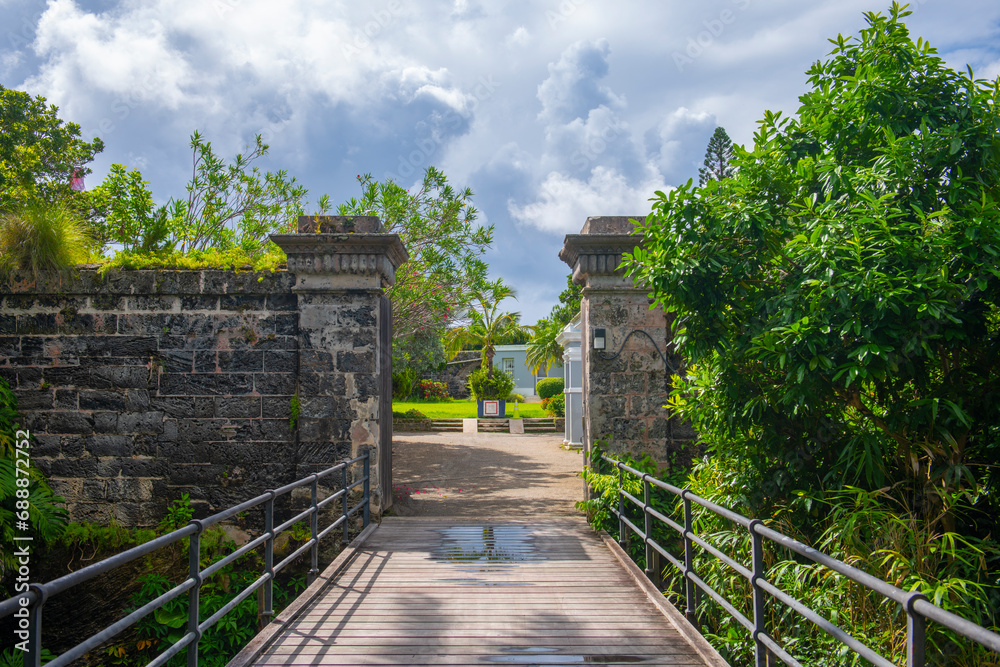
(485, 475)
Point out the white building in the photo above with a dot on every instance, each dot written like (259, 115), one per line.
(569, 338)
(513, 360)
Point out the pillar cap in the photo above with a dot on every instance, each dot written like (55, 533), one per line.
(597, 250)
(360, 254)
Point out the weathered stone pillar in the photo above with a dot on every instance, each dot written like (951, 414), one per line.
(341, 266)
(625, 385)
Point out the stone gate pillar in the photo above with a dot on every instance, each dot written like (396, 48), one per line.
(625, 385)
(341, 266)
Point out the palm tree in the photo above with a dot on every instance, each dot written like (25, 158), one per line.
(543, 348)
(487, 326)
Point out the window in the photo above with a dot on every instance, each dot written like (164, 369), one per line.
(507, 366)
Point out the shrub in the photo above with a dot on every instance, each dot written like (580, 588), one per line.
(549, 387)
(556, 406)
(519, 398)
(412, 413)
(402, 383)
(433, 391)
(487, 387)
(42, 237)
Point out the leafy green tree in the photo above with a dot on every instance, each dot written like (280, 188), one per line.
(438, 226)
(423, 352)
(130, 217)
(235, 205)
(837, 296)
(40, 154)
(487, 325)
(718, 158)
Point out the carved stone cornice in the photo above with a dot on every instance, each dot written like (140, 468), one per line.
(598, 250)
(361, 255)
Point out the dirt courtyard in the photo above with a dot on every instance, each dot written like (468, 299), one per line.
(485, 475)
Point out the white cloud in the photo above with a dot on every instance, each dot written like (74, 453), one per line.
(572, 89)
(84, 50)
(565, 203)
(679, 142)
(519, 37)
(991, 71)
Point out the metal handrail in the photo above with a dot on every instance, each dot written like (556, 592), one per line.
(916, 606)
(37, 594)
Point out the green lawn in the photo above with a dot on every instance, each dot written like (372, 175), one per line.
(464, 409)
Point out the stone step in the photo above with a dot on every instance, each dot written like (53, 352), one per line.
(533, 425)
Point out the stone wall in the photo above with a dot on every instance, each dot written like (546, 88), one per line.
(142, 385)
(625, 385)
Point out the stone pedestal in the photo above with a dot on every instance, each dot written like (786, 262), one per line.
(341, 266)
(625, 385)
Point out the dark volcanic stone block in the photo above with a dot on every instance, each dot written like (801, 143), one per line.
(10, 346)
(205, 385)
(282, 302)
(280, 361)
(140, 422)
(109, 445)
(81, 468)
(274, 383)
(34, 399)
(150, 303)
(66, 399)
(204, 302)
(206, 361)
(102, 400)
(286, 325)
(278, 407)
(354, 362)
(242, 302)
(176, 361)
(107, 302)
(174, 406)
(105, 422)
(241, 362)
(238, 406)
(315, 361)
(75, 423)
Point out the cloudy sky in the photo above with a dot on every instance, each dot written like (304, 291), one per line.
(551, 111)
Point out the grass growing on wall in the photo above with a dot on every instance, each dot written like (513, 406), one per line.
(465, 409)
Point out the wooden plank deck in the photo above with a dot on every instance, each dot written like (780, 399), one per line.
(447, 592)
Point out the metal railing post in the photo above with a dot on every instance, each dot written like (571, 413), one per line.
(366, 487)
(33, 656)
(194, 595)
(916, 633)
(268, 611)
(314, 531)
(622, 528)
(689, 588)
(344, 504)
(653, 570)
(759, 620)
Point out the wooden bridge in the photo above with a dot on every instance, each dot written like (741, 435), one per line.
(449, 591)
(444, 592)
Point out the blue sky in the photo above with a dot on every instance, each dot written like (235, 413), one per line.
(550, 111)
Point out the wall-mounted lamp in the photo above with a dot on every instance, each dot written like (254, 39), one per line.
(599, 339)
